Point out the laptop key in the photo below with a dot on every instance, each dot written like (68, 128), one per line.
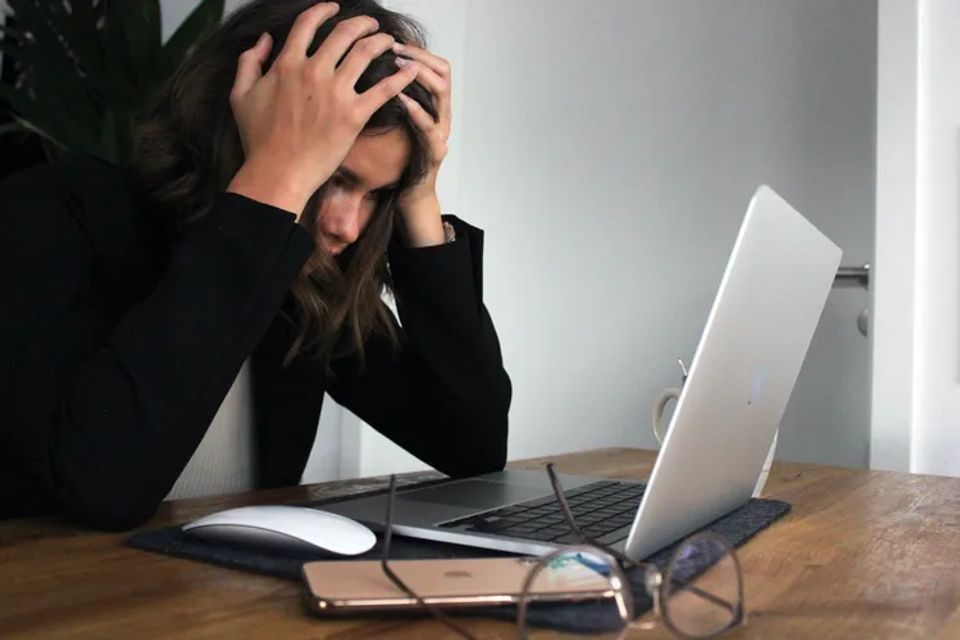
(614, 536)
(539, 535)
(580, 490)
(548, 533)
(568, 538)
(539, 502)
(520, 531)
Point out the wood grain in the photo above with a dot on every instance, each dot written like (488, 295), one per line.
(863, 554)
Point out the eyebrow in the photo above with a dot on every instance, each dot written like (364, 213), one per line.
(353, 178)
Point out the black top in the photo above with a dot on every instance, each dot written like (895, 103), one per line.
(117, 350)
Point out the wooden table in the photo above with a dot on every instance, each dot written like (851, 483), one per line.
(863, 554)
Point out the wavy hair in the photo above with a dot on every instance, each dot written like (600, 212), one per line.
(188, 149)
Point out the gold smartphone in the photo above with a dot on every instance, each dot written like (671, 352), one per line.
(353, 587)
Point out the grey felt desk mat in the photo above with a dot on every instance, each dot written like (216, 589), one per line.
(737, 527)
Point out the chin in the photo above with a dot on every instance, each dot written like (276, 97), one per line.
(343, 259)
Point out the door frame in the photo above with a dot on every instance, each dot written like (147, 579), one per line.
(893, 320)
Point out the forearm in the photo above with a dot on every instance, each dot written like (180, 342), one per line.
(270, 182)
(448, 410)
(104, 413)
(446, 396)
(422, 222)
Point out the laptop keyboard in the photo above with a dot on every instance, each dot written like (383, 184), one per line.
(604, 511)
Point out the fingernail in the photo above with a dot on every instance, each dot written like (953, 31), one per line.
(398, 46)
(401, 62)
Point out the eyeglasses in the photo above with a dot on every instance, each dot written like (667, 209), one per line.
(698, 595)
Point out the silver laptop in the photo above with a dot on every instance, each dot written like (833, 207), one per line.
(756, 337)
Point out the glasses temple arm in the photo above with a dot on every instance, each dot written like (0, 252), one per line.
(572, 523)
(385, 566)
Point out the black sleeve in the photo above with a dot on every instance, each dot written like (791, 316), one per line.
(102, 410)
(444, 396)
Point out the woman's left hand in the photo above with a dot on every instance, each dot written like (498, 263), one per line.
(419, 206)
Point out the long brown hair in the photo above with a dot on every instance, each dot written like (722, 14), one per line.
(188, 149)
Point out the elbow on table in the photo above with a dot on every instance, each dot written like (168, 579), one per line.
(108, 512)
(486, 451)
(110, 500)
(477, 459)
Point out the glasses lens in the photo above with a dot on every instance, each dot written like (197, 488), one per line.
(702, 590)
(579, 586)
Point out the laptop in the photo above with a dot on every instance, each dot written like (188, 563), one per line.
(770, 299)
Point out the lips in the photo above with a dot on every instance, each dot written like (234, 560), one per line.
(332, 248)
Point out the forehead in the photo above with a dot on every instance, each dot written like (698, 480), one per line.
(378, 159)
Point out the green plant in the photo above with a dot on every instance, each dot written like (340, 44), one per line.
(87, 68)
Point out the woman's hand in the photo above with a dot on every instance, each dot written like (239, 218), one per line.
(299, 120)
(418, 204)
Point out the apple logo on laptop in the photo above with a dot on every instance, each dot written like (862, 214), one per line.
(756, 388)
(457, 573)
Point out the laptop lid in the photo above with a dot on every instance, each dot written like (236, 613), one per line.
(770, 299)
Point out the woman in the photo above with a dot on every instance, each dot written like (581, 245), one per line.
(281, 183)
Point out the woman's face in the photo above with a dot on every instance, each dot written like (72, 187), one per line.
(371, 168)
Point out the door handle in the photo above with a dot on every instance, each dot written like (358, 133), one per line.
(854, 275)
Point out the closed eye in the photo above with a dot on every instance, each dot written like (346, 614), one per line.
(381, 194)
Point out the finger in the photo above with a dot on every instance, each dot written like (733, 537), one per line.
(336, 45)
(437, 86)
(305, 28)
(436, 64)
(250, 66)
(377, 95)
(420, 116)
(360, 56)
(426, 76)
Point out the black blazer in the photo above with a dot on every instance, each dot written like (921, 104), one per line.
(117, 349)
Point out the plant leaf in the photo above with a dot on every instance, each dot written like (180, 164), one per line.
(11, 33)
(12, 127)
(140, 22)
(27, 126)
(81, 36)
(85, 66)
(108, 137)
(45, 49)
(33, 19)
(18, 99)
(119, 69)
(205, 16)
(60, 102)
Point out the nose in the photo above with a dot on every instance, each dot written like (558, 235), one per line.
(342, 218)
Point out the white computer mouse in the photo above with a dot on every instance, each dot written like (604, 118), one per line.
(285, 529)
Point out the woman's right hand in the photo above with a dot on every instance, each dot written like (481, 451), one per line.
(299, 120)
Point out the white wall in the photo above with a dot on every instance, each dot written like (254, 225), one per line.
(609, 151)
(936, 436)
(917, 346)
(896, 249)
